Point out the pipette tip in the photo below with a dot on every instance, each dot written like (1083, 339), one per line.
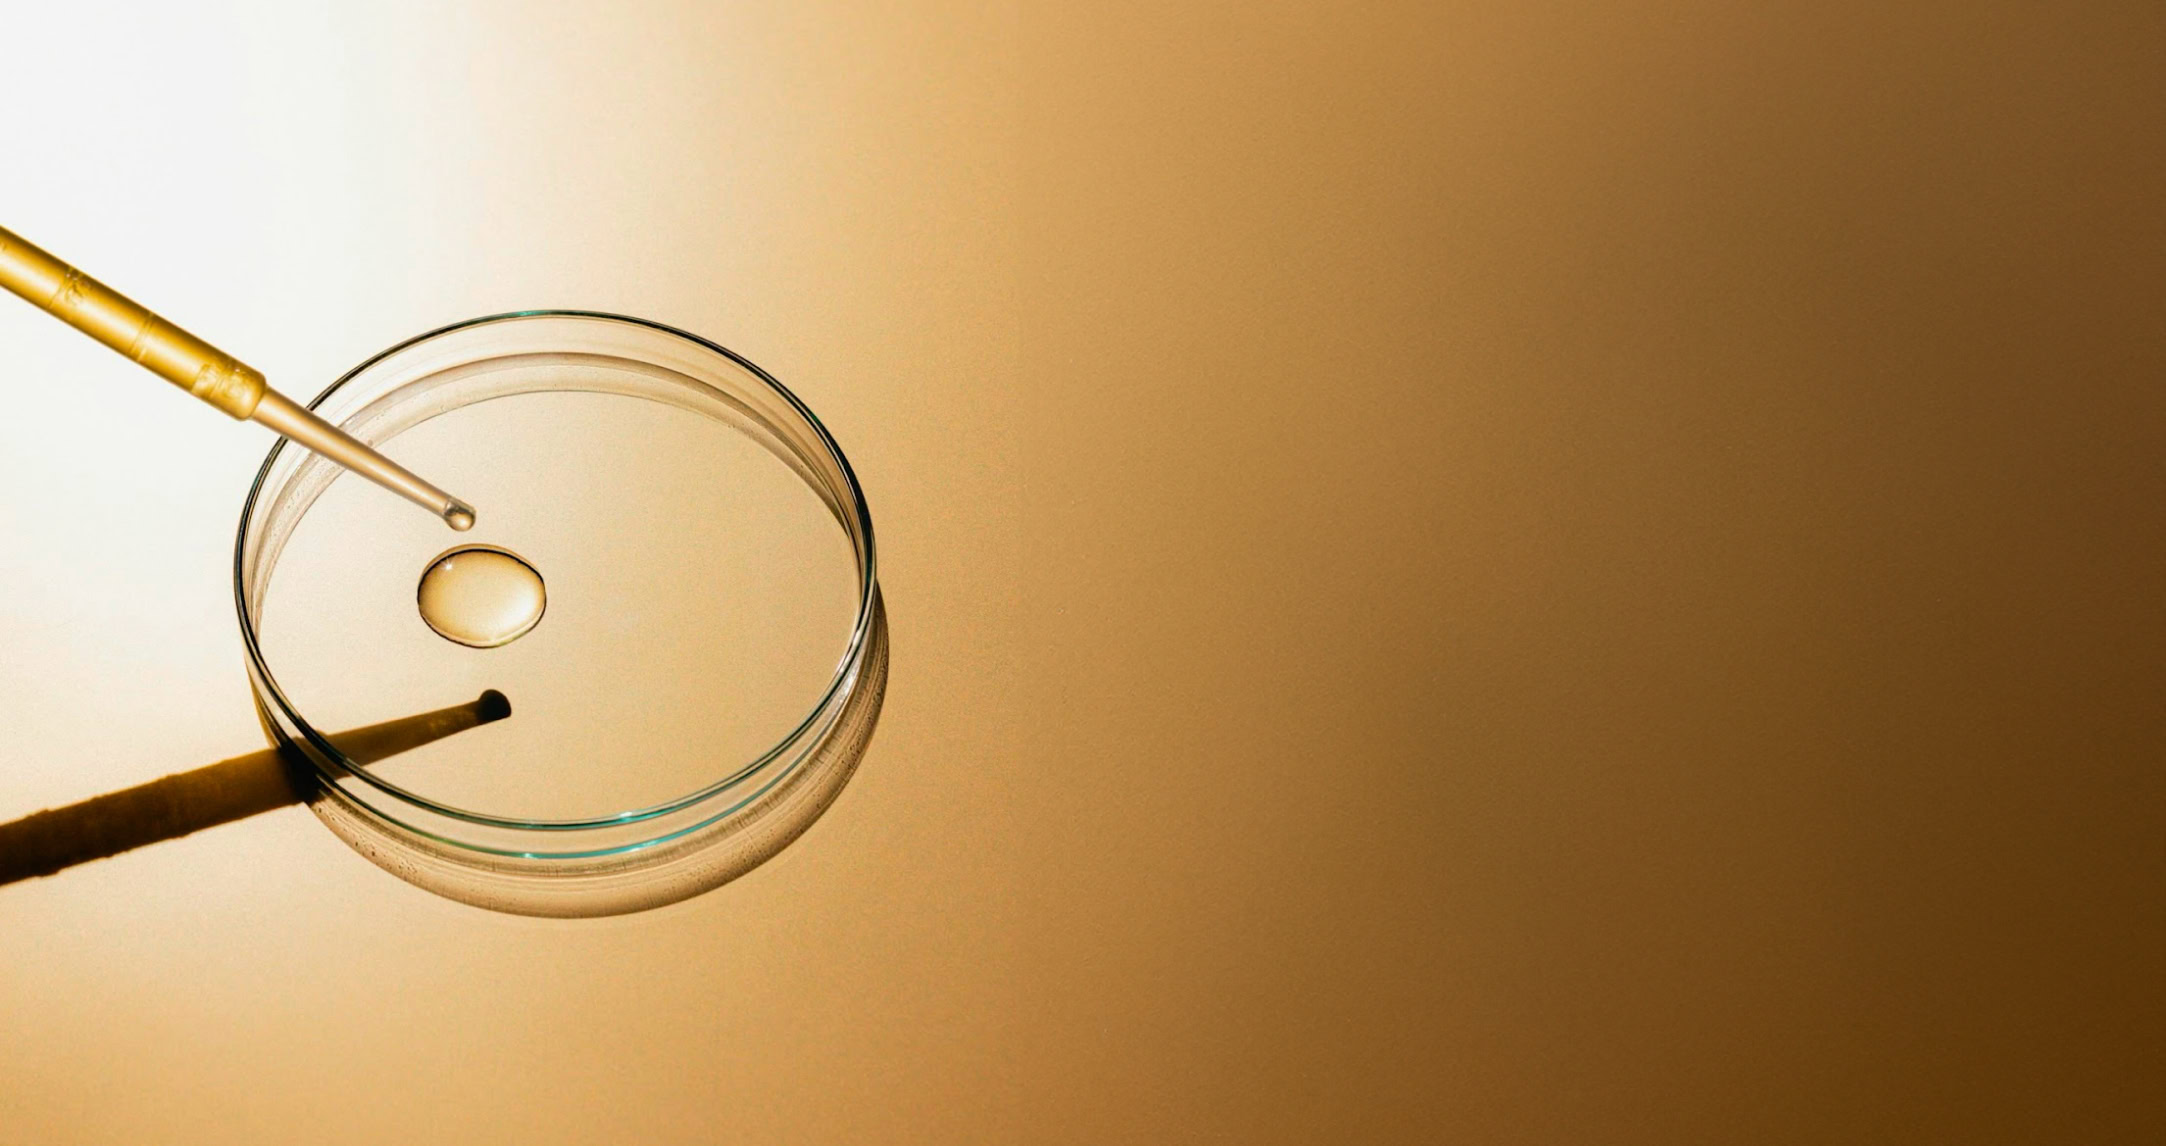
(459, 516)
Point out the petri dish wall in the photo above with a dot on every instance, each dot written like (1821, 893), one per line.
(691, 688)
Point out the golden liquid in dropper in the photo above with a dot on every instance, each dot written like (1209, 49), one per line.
(481, 596)
(202, 369)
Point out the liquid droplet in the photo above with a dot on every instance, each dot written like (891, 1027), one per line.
(481, 596)
(459, 516)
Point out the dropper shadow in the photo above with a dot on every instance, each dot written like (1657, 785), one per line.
(42, 843)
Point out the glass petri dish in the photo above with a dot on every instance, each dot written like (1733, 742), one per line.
(692, 673)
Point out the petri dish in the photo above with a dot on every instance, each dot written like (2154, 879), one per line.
(671, 579)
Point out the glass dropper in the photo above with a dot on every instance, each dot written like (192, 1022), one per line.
(202, 369)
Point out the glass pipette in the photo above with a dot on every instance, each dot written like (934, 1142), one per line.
(202, 369)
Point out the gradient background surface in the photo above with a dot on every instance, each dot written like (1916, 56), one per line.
(1458, 572)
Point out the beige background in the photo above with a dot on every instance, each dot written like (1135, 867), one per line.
(1508, 572)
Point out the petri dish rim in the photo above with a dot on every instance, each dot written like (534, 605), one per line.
(844, 677)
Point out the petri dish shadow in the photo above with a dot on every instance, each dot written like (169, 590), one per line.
(46, 842)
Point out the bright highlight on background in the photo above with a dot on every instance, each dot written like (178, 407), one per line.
(1459, 571)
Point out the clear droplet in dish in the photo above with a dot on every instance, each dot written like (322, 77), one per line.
(481, 596)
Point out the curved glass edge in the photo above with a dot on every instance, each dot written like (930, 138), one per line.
(332, 766)
(636, 879)
(306, 479)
